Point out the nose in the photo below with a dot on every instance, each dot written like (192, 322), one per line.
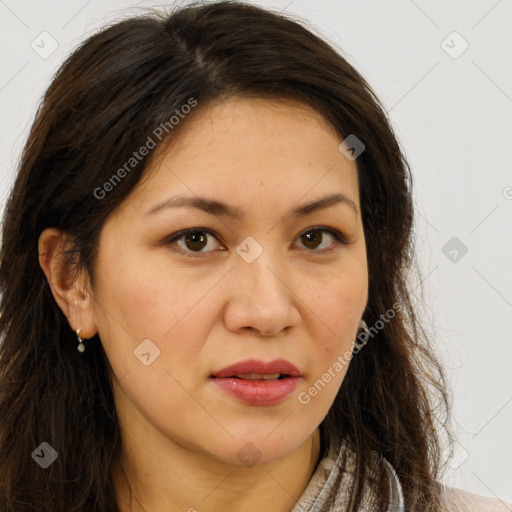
(262, 299)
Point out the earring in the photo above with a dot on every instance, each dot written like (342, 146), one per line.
(81, 346)
(363, 325)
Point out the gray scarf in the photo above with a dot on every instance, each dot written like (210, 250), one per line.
(329, 487)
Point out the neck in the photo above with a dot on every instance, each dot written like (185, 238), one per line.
(193, 482)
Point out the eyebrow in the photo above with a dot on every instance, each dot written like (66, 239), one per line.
(218, 208)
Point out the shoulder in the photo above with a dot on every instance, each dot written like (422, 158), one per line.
(457, 500)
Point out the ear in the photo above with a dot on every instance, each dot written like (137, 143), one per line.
(70, 289)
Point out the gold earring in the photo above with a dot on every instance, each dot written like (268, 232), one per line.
(364, 326)
(81, 346)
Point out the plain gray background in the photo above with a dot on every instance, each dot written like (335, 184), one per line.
(451, 108)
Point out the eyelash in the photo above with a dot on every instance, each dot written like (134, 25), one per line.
(339, 238)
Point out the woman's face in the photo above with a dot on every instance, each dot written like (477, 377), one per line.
(263, 284)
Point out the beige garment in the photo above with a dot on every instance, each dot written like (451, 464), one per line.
(457, 500)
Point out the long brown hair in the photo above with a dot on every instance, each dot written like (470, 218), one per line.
(104, 101)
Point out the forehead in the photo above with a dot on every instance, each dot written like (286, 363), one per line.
(243, 149)
(248, 120)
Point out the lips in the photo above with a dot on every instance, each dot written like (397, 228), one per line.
(252, 366)
(258, 383)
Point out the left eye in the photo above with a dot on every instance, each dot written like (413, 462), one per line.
(314, 236)
(195, 240)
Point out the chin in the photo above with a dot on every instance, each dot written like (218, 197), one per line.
(258, 447)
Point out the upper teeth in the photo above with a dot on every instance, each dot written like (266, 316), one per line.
(258, 376)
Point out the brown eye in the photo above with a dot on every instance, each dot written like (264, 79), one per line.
(193, 240)
(313, 239)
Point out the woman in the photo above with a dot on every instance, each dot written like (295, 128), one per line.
(187, 336)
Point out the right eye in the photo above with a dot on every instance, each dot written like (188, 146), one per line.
(194, 240)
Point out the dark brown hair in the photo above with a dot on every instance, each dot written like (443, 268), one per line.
(103, 103)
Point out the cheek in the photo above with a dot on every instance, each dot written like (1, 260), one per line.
(336, 305)
(139, 301)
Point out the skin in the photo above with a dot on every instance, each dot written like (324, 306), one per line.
(181, 434)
